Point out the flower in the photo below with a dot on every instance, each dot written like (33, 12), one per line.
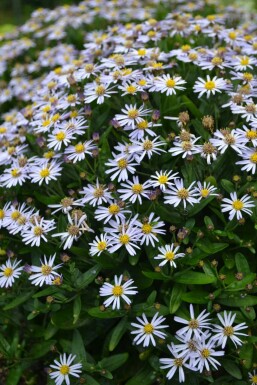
(134, 190)
(99, 245)
(236, 206)
(45, 274)
(209, 86)
(205, 353)
(150, 228)
(146, 330)
(253, 377)
(168, 254)
(45, 172)
(131, 115)
(249, 161)
(120, 166)
(222, 333)
(117, 291)
(178, 193)
(163, 179)
(64, 369)
(9, 271)
(167, 84)
(194, 326)
(95, 194)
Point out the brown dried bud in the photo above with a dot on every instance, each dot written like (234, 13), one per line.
(239, 276)
(208, 122)
(216, 307)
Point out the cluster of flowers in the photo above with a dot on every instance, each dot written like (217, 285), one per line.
(129, 77)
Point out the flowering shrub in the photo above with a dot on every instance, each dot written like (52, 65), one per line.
(128, 186)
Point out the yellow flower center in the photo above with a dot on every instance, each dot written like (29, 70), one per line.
(15, 215)
(122, 163)
(247, 76)
(210, 85)
(100, 90)
(79, 148)
(228, 331)
(46, 123)
(38, 231)
(205, 192)
(142, 82)
(71, 98)
(73, 230)
(44, 172)
(178, 362)
(244, 61)
(49, 154)
(163, 179)
(169, 255)
(251, 134)
(60, 136)
(64, 369)
(170, 83)
(133, 113)
(141, 51)
(124, 239)
(254, 379)
(8, 272)
(142, 125)
(186, 48)
(217, 60)
(137, 188)
(147, 228)
(89, 68)
(193, 324)
(183, 193)
(3, 130)
(46, 270)
(15, 172)
(101, 245)
(148, 328)
(237, 205)
(205, 353)
(2, 214)
(232, 35)
(114, 209)
(148, 145)
(131, 89)
(186, 145)
(117, 291)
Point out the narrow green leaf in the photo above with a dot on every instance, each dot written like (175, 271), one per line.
(242, 264)
(76, 309)
(195, 296)
(114, 362)
(117, 333)
(211, 247)
(232, 368)
(145, 376)
(77, 346)
(107, 313)
(18, 300)
(193, 278)
(175, 298)
(88, 277)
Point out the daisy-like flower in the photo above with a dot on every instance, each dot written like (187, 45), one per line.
(99, 245)
(9, 271)
(97, 92)
(194, 326)
(59, 137)
(36, 231)
(242, 63)
(249, 134)
(146, 330)
(253, 377)
(127, 235)
(225, 138)
(150, 228)
(45, 172)
(14, 176)
(227, 331)
(120, 166)
(206, 353)
(163, 179)
(77, 152)
(114, 210)
(208, 152)
(46, 273)
(209, 86)
(248, 111)
(131, 115)
(186, 147)
(168, 254)
(166, 84)
(117, 292)
(134, 190)
(95, 194)
(3, 212)
(142, 128)
(146, 147)
(178, 193)
(177, 361)
(64, 369)
(236, 206)
(249, 161)
(65, 205)
(77, 226)
(205, 190)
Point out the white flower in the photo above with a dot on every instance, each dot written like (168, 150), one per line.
(59, 137)
(95, 194)
(98, 92)
(249, 161)
(65, 205)
(178, 193)
(209, 86)
(222, 333)
(149, 230)
(36, 231)
(45, 274)
(146, 147)
(205, 190)
(131, 115)
(163, 179)
(45, 172)
(99, 245)
(13, 176)
(120, 166)
(64, 369)
(127, 236)
(205, 353)
(253, 377)
(167, 84)
(236, 206)
(226, 138)
(185, 147)
(114, 210)
(9, 271)
(117, 291)
(194, 326)
(77, 152)
(177, 361)
(146, 330)
(134, 190)
(169, 254)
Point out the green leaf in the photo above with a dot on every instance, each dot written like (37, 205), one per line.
(40, 349)
(4, 345)
(246, 354)
(232, 368)
(114, 362)
(192, 211)
(19, 300)
(176, 296)
(77, 346)
(76, 309)
(240, 285)
(107, 313)
(15, 374)
(237, 300)
(211, 247)
(227, 185)
(242, 264)
(88, 277)
(117, 333)
(47, 200)
(193, 278)
(156, 276)
(145, 376)
(196, 296)
(90, 380)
